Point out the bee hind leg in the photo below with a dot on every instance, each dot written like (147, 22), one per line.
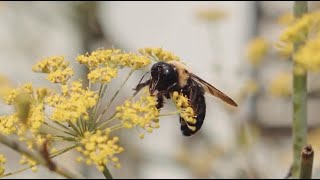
(197, 101)
(160, 101)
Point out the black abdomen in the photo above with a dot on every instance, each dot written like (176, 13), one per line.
(195, 94)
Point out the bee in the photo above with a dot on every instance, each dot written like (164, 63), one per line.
(170, 76)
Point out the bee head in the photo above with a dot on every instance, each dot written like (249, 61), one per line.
(163, 75)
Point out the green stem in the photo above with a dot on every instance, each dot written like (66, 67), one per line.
(113, 117)
(16, 146)
(74, 128)
(45, 123)
(96, 106)
(306, 162)
(299, 126)
(72, 132)
(115, 95)
(107, 173)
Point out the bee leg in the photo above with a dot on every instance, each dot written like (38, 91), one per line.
(140, 86)
(170, 89)
(160, 101)
(197, 101)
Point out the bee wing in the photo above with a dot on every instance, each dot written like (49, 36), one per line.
(212, 90)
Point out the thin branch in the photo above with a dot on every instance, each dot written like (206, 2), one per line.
(15, 145)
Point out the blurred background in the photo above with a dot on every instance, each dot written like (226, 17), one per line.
(232, 45)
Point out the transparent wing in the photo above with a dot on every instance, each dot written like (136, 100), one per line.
(212, 90)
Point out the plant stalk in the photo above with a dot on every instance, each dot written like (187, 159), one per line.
(299, 126)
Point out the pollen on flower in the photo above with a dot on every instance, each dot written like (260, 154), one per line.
(73, 104)
(60, 75)
(56, 67)
(159, 54)
(184, 107)
(133, 60)
(281, 84)
(142, 113)
(256, 50)
(8, 124)
(100, 149)
(3, 161)
(50, 64)
(98, 57)
(102, 75)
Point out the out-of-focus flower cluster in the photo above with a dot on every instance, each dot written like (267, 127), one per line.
(257, 50)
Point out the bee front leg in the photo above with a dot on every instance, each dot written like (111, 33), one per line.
(140, 86)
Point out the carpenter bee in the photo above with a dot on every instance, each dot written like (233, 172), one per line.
(170, 76)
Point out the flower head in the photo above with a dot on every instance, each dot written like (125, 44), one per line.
(102, 75)
(184, 108)
(99, 149)
(99, 57)
(142, 113)
(298, 30)
(308, 56)
(56, 67)
(73, 103)
(159, 54)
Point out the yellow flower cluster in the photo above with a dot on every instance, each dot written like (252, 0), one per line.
(100, 149)
(73, 104)
(185, 109)
(256, 50)
(299, 29)
(29, 108)
(102, 75)
(142, 113)
(98, 57)
(132, 60)
(56, 67)
(3, 161)
(8, 124)
(35, 117)
(10, 94)
(308, 55)
(159, 54)
(211, 14)
(103, 64)
(281, 85)
(32, 163)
